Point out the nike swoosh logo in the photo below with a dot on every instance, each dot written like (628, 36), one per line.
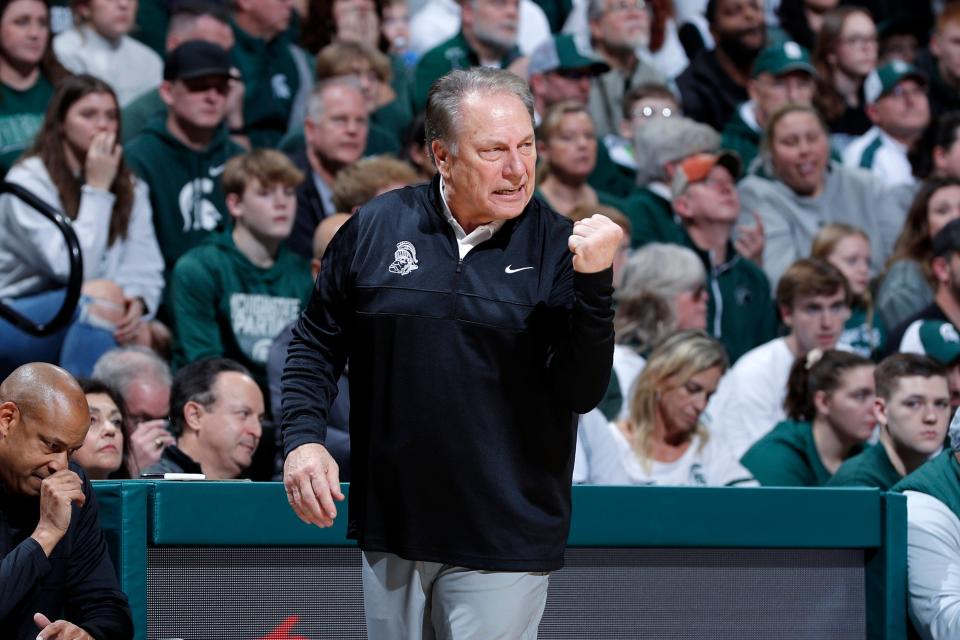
(509, 269)
(215, 171)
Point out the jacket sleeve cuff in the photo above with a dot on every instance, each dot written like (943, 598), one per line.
(296, 435)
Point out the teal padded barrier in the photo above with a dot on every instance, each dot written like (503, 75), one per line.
(123, 516)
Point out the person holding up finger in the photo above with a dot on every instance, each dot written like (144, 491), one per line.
(76, 166)
(477, 323)
(56, 577)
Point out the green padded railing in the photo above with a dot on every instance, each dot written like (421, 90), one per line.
(240, 513)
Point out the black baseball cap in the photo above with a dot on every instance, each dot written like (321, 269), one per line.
(194, 59)
(947, 239)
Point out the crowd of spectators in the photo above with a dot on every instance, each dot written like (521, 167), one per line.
(787, 177)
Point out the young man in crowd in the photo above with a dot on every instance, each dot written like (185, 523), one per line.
(181, 155)
(216, 414)
(782, 74)
(716, 80)
(814, 302)
(56, 574)
(233, 295)
(912, 410)
(276, 73)
(335, 132)
(619, 31)
(896, 100)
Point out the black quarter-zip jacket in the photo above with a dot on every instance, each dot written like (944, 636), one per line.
(465, 378)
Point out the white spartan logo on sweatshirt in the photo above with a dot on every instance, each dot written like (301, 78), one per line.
(404, 258)
(198, 213)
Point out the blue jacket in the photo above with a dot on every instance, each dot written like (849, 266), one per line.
(465, 376)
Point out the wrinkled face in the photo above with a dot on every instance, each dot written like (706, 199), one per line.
(799, 151)
(849, 407)
(568, 84)
(945, 44)
(396, 26)
(37, 446)
(681, 405)
(905, 111)
(102, 450)
(230, 430)
(339, 134)
(271, 15)
(712, 200)
(769, 92)
(491, 174)
(947, 160)
(817, 321)
(572, 149)
(110, 18)
(624, 25)
(492, 22)
(690, 308)
(917, 414)
(857, 49)
(91, 115)
(851, 256)
(356, 21)
(942, 209)
(741, 22)
(24, 32)
(200, 102)
(266, 210)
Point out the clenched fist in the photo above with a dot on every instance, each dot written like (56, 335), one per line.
(594, 243)
(58, 492)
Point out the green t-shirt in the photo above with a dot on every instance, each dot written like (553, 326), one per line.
(871, 468)
(21, 115)
(868, 339)
(224, 305)
(787, 457)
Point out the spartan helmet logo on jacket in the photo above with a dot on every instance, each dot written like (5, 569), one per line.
(404, 258)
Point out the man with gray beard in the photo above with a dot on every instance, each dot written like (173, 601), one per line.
(619, 35)
(487, 37)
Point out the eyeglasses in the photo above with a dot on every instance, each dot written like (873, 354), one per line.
(626, 5)
(901, 91)
(653, 112)
(220, 84)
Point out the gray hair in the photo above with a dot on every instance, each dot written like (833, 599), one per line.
(315, 101)
(445, 100)
(119, 368)
(653, 276)
(668, 140)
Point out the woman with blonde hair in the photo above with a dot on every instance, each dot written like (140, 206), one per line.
(663, 441)
(848, 249)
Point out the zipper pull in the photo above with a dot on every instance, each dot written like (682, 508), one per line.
(459, 264)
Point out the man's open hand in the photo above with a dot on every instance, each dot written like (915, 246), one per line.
(59, 630)
(594, 242)
(311, 479)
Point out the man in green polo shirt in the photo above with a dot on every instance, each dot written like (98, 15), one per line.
(782, 74)
(487, 37)
(912, 410)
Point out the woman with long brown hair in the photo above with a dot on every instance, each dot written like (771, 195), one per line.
(76, 166)
(29, 70)
(908, 284)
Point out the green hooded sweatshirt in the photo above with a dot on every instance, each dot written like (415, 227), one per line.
(224, 305)
(185, 190)
(741, 137)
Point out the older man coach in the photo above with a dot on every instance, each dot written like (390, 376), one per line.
(477, 323)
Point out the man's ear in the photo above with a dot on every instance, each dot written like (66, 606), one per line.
(441, 157)
(192, 412)
(9, 417)
(941, 269)
(786, 314)
(880, 411)
(872, 113)
(166, 92)
(681, 205)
